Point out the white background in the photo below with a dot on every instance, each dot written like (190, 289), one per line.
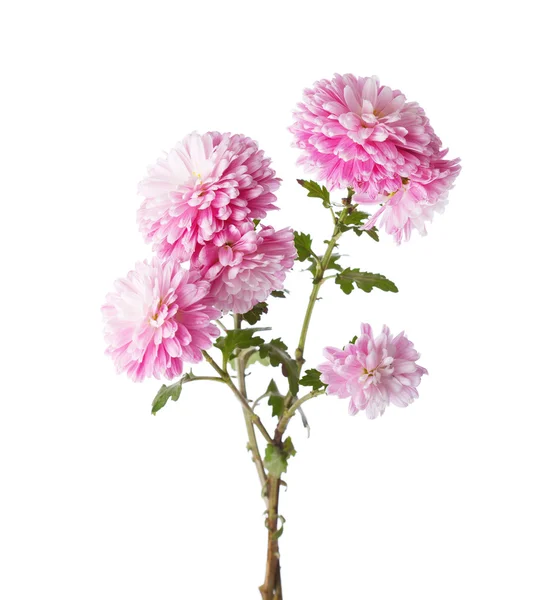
(101, 500)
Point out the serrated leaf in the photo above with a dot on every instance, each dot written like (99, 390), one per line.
(355, 220)
(356, 217)
(372, 233)
(165, 393)
(253, 358)
(276, 350)
(288, 447)
(364, 281)
(303, 243)
(312, 379)
(278, 405)
(316, 191)
(275, 460)
(275, 399)
(254, 315)
(238, 338)
(332, 264)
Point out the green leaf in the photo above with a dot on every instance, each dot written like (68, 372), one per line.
(279, 532)
(279, 293)
(372, 233)
(275, 399)
(238, 338)
(332, 264)
(288, 447)
(356, 217)
(276, 350)
(316, 191)
(165, 393)
(312, 379)
(354, 221)
(364, 281)
(303, 242)
(278, 405)
(255, 314)
(276, 459)
(253, 358)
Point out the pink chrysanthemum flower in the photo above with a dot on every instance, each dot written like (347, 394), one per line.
(357, 133)
(156, 319)
(373, 372)
(245, 265)
(416, 201)
(201, 185)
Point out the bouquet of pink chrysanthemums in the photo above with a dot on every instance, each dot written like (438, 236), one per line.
(204, 210)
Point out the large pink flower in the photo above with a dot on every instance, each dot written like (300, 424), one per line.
(245, 265)
(373, 372)
(416, 201)
(156, 318)
(357, 133)
(201, 185)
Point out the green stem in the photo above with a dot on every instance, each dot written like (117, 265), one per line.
(271, 588)
(245, 404)
(252, 438)
(203, 378)
(222, 326)
(289, 413)
(317, 281)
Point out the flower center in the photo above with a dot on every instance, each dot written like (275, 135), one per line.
(374, 376)
(159, 314)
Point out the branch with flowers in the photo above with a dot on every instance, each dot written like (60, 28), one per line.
(204, 210)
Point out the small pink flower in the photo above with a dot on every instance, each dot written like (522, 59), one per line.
(416, 201)
(245, 265)
(373, 372)
(354, 132)
(204, 183)
(156, 319)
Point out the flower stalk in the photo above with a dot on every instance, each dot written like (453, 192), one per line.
(317, 284)
(253, 445)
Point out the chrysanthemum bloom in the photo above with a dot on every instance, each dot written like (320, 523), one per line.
(373, 372)
(416, 201)
(245, 265)
(357, 133)
(204, 183)
(156, 319)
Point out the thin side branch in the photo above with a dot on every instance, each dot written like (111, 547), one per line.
(255, 419)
